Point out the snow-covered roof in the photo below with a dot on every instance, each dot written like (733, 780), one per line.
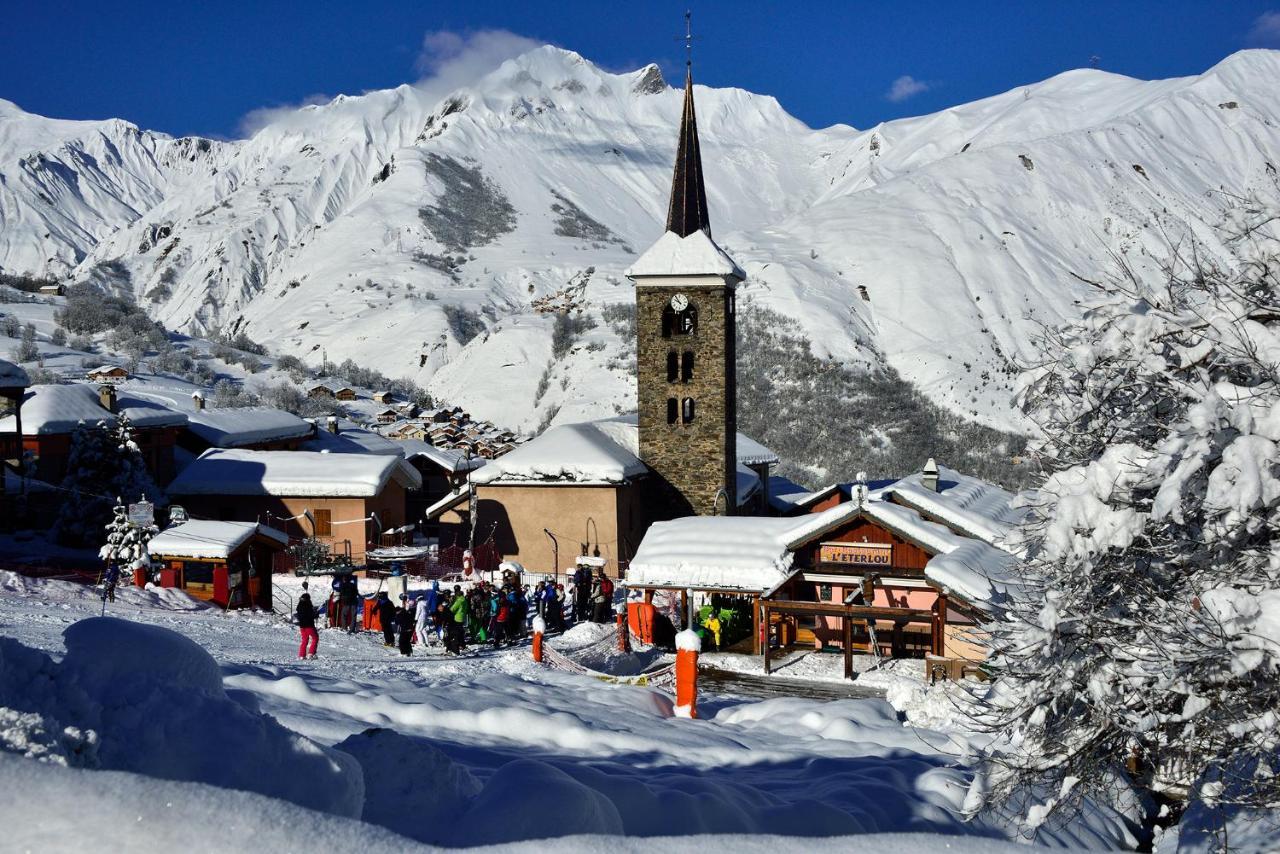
(105, 369)
(449, 459)
(13, 376)
(351, 438)
(695, 255)
(448, 502)
(590, 452)
(714, 552)
(964, 503)
(232, 428)
(752, 453)
(201, 539)
(292, 473)
(51, 409)
(786, 497)
(754, 553)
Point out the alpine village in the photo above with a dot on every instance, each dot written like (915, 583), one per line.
(713, 549)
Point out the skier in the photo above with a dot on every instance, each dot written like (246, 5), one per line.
(433, 606)
(387, 617)
(421, 619)
(348, 597)
(581, 594)
(458, 612)
(404, 621)
(306, 614)
(601, 597)
(109, 583)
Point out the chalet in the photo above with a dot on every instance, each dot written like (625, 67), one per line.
(250, 428)
(383, 397)
(345, 393)
(227, 563)
(443, 470)
(13, 388)
(54, 290)
(51, 414)
(320, 391)
(575, 487)
(387, 416)
(108, 374)
(873, 573)
(408, 410)
(407, 430)
(345, 500)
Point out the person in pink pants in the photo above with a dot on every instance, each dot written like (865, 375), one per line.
(306, 614)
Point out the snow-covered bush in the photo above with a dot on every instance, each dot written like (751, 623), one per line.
(464, 323)
(230, 395)
(126, 542)
(1148, 650)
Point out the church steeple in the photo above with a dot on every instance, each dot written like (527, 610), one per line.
(688, 210)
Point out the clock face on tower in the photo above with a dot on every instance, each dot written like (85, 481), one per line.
(679, 302)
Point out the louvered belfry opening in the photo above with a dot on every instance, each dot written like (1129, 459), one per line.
(688, 210)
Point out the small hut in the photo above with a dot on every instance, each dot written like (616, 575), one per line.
(227, 563)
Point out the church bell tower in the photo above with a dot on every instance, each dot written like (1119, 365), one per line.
(686, 384)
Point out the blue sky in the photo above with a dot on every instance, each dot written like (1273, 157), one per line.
(189, 68)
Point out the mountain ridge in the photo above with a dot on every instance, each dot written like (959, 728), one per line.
(434, 237)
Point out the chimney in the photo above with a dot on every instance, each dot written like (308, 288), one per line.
(929, 476)
(107, 397)
(198, 399)
(332, 423)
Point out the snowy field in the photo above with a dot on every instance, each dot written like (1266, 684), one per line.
(484, 749)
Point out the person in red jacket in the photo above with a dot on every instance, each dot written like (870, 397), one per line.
(306, 614)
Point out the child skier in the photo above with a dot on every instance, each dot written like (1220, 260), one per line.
(306, 614)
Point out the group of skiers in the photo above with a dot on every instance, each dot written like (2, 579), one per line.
(486, 614)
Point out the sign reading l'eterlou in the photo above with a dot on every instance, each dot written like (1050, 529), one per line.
(857, 554)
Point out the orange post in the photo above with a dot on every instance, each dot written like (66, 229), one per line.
(688, 645)
(539, 628)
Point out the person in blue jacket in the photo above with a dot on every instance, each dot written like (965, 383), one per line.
(433, 602)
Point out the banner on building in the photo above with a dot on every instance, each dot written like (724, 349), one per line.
(857, 554)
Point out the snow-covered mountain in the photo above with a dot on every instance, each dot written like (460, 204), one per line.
(435, 238)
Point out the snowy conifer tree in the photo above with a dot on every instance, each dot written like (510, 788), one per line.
(104, 462)
(1147, 650)
(126, 543)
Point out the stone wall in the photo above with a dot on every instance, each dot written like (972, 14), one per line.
(698, 459)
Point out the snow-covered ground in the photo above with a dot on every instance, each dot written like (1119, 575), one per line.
(485, 748)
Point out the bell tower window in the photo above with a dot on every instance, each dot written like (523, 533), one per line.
(673, 368)
(686, 367)
(673, 410)
(686, 410)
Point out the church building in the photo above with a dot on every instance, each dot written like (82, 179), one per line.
(598, 486)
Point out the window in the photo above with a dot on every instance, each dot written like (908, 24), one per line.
(673, 368)
(324, 522)
(679, 322)
(686, 367)
(686, 410)
(673, 408)
(197, 572)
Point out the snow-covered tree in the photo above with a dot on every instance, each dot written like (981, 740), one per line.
(126, 542)
(104, 463)
(1146, 651)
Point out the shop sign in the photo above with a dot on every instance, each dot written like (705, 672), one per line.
(857, 554)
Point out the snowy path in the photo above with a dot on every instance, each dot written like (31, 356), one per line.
(535, 740)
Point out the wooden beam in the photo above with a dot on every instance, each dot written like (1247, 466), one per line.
(832, 609)
(684, 610)
(847, 626)
(768, 630)
(755, 625)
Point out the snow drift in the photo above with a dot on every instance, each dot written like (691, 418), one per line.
(156, 703)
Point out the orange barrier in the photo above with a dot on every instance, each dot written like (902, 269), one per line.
(640, 618)
(139, 577)
(539, 626)
(688, 645)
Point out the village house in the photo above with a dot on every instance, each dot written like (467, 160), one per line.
(345, 500)
(909, 570)
(250, 428)
(108, 374)
(51, 414)
(13, 388)
(443, 470)
(387, 416)
(383, 397)
(345, 393)
(226, 563)
(320, 391)
(577, 488)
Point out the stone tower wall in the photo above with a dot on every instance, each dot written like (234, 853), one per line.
(693, 461)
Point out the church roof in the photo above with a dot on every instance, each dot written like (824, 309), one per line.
(687, 212)
(695, 255)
